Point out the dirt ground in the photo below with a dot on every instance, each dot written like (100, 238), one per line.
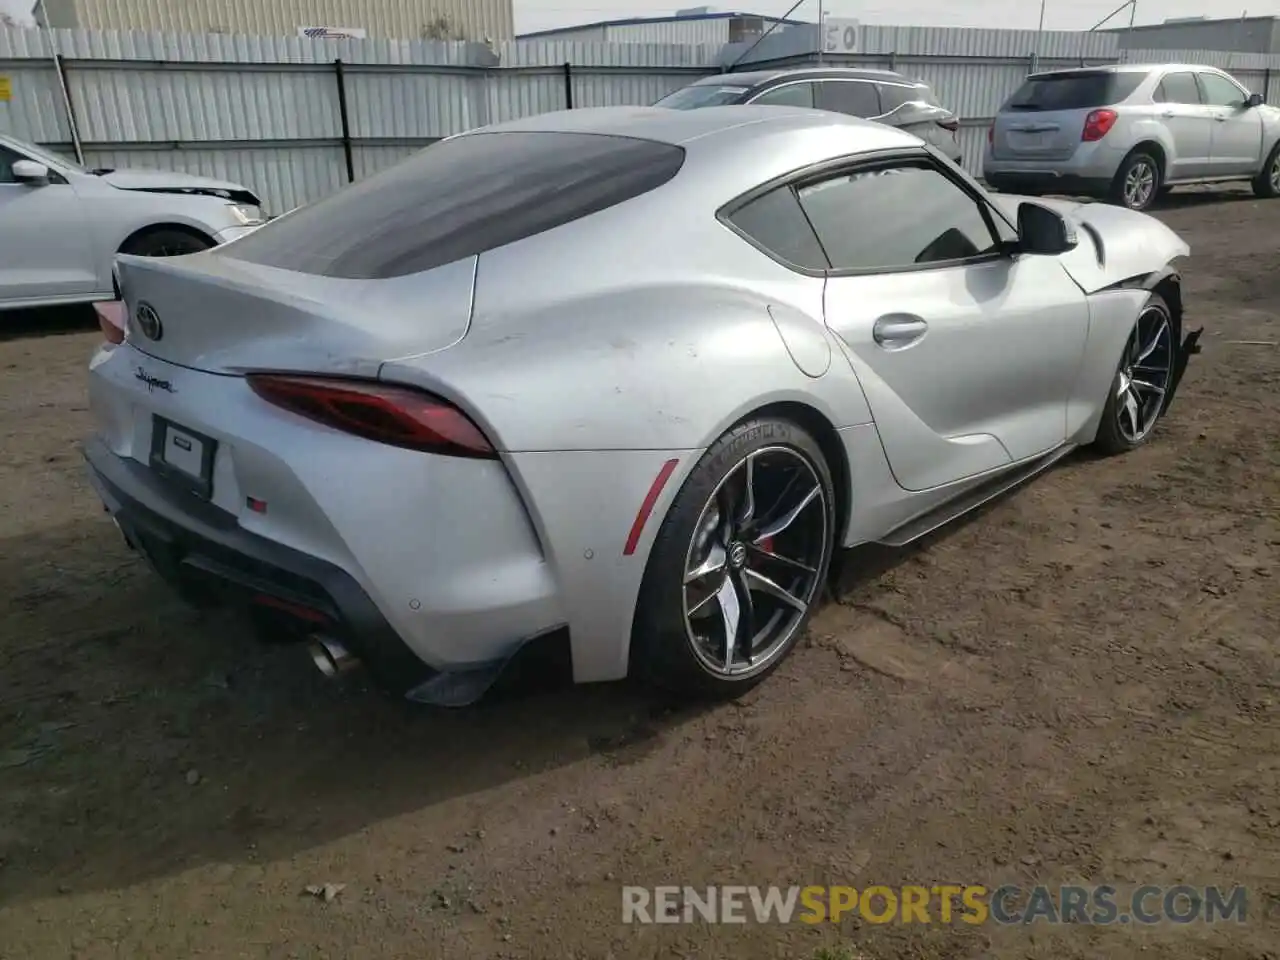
(1078, 685)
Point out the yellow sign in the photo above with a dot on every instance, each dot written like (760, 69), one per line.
(6, 89)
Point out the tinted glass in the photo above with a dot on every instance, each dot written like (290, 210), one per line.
(701, 95)
(857, 98)
(7, 159)
(776, 222)
(1074, 91)
(1220, 92)
(1178, 88)
(791, 95)
(895, 217)
(458, 198)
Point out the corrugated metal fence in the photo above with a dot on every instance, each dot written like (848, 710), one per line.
(295, 118)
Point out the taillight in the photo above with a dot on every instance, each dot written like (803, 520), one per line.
(951, 124)
(1097, 125)
(991, 134)
(398, 416)
(111, 321)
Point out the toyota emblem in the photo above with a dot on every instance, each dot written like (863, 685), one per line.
(148, 321)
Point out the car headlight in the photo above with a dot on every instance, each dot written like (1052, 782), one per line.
(249, 214)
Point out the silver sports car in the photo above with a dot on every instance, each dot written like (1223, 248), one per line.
(627, 376)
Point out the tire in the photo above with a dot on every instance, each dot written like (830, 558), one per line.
(1137, 168)
(686, 655)
(1267, 183)
(1126, 426)
(165, 242)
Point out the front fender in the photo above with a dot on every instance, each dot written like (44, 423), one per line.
(1117, 245)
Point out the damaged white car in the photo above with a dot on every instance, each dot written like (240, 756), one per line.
(61, 225)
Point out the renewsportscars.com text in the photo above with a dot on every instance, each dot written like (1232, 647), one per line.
(943, 904)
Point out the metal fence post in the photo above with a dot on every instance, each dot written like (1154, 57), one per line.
(72, 123)
(893, 61)
(568, 85)
(1266, 86)
(341, 76)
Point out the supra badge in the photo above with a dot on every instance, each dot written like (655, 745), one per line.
(148, 321)
(153, 383)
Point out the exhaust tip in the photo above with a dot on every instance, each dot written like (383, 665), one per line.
(331, 657)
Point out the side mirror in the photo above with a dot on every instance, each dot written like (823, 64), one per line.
(30, 172)
(1043, 231)
(1255, 100)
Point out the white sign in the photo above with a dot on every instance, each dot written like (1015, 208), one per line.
(840, 35)
(332, 33)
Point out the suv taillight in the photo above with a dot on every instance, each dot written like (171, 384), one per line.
(991, 134)
(399, 416)
(951, 123)
(1097, 125)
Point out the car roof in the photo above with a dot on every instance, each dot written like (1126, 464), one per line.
(680, 127)
(753, 78)
(1124, 68)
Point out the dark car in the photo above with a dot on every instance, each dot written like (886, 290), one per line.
(881, 95)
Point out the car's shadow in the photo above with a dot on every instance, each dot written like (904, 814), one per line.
(159, 739)
(46, 322)
(1192, 197)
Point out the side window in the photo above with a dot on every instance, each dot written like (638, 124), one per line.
(788, 95)
(1178, 88)
(776, 222)
(7, 159)
(858, 98)
(1219, 91)
(896, 218)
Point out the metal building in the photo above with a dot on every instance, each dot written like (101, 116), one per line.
(695, 25)
(1237, 35)
(394, 19)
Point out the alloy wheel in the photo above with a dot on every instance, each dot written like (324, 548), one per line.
(1139, 185)
(1144, 375)
(755, 562)
(1274, 174)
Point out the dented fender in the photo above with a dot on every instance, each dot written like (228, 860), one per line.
(1116, 245)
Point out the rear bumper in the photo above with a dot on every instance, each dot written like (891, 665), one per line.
(201, 551)
(1089, 171)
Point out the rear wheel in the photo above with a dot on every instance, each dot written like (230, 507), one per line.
(739, 563)
(1137, 182)
(1267, 183)
(165, 242)
(1142, 381)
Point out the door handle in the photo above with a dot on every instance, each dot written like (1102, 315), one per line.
(1168, 114)
(1220, 118)
(894, 331)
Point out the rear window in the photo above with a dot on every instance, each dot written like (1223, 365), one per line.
(1073, 91)
(459, 198)
(702, 95)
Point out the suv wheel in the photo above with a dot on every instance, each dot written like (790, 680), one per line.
(1267, 183)
(1137, 182)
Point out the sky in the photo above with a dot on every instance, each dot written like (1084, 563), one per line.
(1059, 14)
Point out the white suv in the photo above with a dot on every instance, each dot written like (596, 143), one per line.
(1132, 132)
